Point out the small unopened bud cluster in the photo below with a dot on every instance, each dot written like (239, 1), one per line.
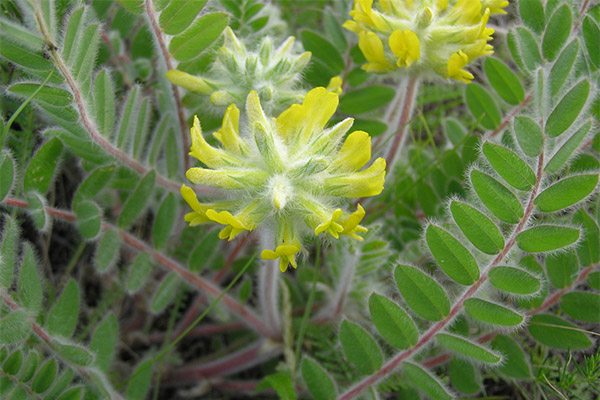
(426, 37)
(272, 72)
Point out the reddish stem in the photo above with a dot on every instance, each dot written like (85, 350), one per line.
(407, 108)
(510, 116)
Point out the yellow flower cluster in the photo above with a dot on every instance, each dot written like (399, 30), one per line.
(285, 174)
(424, 36)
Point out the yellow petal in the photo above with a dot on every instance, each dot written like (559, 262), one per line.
(217, 178)
(207, 154)
(455, 64)
(354, 154)
(335, 85)
(406, 46)
(368, 182)
(192, 83)
(372, 48)
(254, 110)
(229, 132)
(268, 255)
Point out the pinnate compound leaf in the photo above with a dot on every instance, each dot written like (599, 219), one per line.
(463, 376)
(467, 348)
(104, 103)
(14, 327)
(504, 81)
(482, 106)
(557, 333)
(319, 383)
(89, 219)
(107, 252)
(165, 293)
(496, 197)
(491, 313)
(425, 381)
(198, 36)
(139, 272)
(422, 293)
(178, 15)
(7, 174)
(509, 166)
(514, 363)
(529, 135)
(566, 192)
(568, 109)
(562, 67)
(532, 14)
(42, 167)
(360, 348)
(542, 238)
(30, 285)
(478, 228)
(562, 268)
(452, 256)
(8, 252)
(104, 341)
(45, 376)
(392, 322)
(63, 317)
(514, 280)
(589, 247)
(366, 99)
(566, 150)
(164, 221)
(557, 32)
(137, 201)
(591, 36)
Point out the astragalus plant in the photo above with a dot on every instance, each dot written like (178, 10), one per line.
(299, 199)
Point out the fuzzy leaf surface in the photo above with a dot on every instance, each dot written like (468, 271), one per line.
(360, 348)
(422, 293)
(452, 256)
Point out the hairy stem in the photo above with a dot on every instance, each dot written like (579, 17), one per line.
(268, 295)
(248, 316)
(167, 58)
(428, 336)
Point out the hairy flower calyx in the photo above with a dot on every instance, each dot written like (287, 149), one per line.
(288, 174)
(424, 36)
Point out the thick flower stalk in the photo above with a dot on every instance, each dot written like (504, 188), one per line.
(425, 37)
(288, 174)
(274, 73)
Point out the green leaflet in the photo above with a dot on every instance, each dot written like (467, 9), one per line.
(467, 348)
(198, 36)
(36, 204)
(75, 354)
(30, 285)
(178, 15)
(491, 313)
(127, 122)
(504, 81)
(45, 376)
(89, 219)
(164, 221)
(165, 293)
(93, 184)
(136, 202)
(514, 280)
(525, 48)
(104, 341)
(139, 385)
(515, 363)
(319, 383)
(42, 167)
(562, 268)
(281, 383)
(73, 31)
(392, 322)
(482, 106)
(8, 252)
(582, 306)
(452, 256)
(48, 94)
(14, 327)
(566, 192)
(139, 272)
(464, 376)
(425, 381)
(85, 56)
(509, 166)
(324, 51)
(63, 317)
(529, 136)
(593, 280)
(366, 99)
(454, 130)
(568, 109)
(478, 228)
(360, 348)
(542, 238)
(7, 174)
(496, 197)
(557, 32)
(563, 66)
(567, 148)
(422, 293)
(557, 333)
(427, 199)
(107, 252)
(591, 36)
(13, 363)
(29, 367)
(532, 14)
(588, 249)
(141, 128)
(104, 103)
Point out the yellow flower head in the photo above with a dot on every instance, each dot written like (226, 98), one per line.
(427, 37)
(288, 173)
